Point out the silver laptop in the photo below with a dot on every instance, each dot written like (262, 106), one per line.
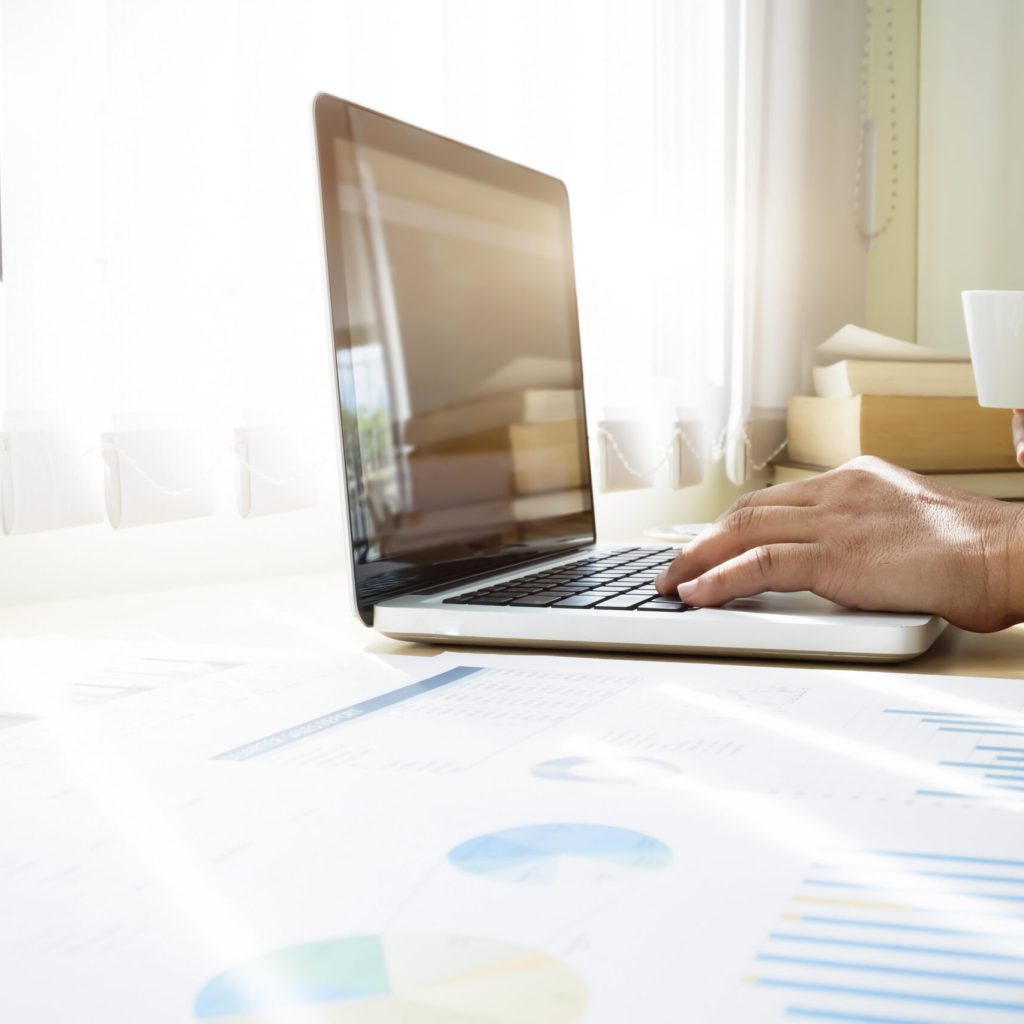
(462, 426)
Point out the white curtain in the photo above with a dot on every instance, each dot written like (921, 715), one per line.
(160, 360)
(745, 247)
(798, 266)
(163, 320)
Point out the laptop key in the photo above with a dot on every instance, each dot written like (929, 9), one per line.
(541, 600)
(664, 606)
(581, 601)
(624, 602)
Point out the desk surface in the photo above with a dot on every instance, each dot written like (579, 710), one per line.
(134, 859)
(312, 611)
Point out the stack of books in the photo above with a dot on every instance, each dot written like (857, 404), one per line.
(508, 451)
(519, 443)
(910, 405)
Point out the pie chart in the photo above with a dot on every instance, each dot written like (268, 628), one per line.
(637, 770)
(407, 977)
(561, 852)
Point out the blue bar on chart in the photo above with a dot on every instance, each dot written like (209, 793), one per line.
(344, 716)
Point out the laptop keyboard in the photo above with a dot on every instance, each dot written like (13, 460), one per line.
(617, 580)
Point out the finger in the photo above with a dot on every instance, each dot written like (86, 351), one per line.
(779, 567)
(693, 560)
(739, 530)
(1018, 435)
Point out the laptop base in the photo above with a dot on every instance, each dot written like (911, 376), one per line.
(791, 626)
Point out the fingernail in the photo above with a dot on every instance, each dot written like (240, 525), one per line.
(659, 581)
(687, 589)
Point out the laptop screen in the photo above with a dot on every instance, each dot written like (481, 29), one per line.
(457, 349)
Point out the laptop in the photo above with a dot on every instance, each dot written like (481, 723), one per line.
(463, 440)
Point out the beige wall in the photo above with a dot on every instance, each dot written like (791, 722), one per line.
(891, 297)
(972, 159)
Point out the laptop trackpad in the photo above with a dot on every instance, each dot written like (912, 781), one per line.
(805, 604)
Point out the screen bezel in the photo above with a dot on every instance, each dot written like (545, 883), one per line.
(333, 121)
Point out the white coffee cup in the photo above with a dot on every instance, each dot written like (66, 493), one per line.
(995, 330)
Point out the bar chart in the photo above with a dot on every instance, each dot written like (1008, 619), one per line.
(878, 936)
(995, 769)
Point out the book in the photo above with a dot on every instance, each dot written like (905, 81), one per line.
(535, 457)
(852, 342)
(923, 433)
(442, 480)
(891, 377)
(546, 457)
(528, 373)
(535, 405)
(441, 526)
(1007, 484)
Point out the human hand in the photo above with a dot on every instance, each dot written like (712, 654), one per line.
(1018, 435)
(868, 535)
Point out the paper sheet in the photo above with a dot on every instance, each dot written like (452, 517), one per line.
(852, 342)
(44, 674)
(518, 838)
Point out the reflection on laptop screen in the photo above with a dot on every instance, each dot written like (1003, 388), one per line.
(457, 348)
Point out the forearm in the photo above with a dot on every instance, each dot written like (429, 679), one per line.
(1012, 563)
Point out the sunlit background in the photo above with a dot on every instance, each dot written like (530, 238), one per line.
(163, 254)
(165, 383)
